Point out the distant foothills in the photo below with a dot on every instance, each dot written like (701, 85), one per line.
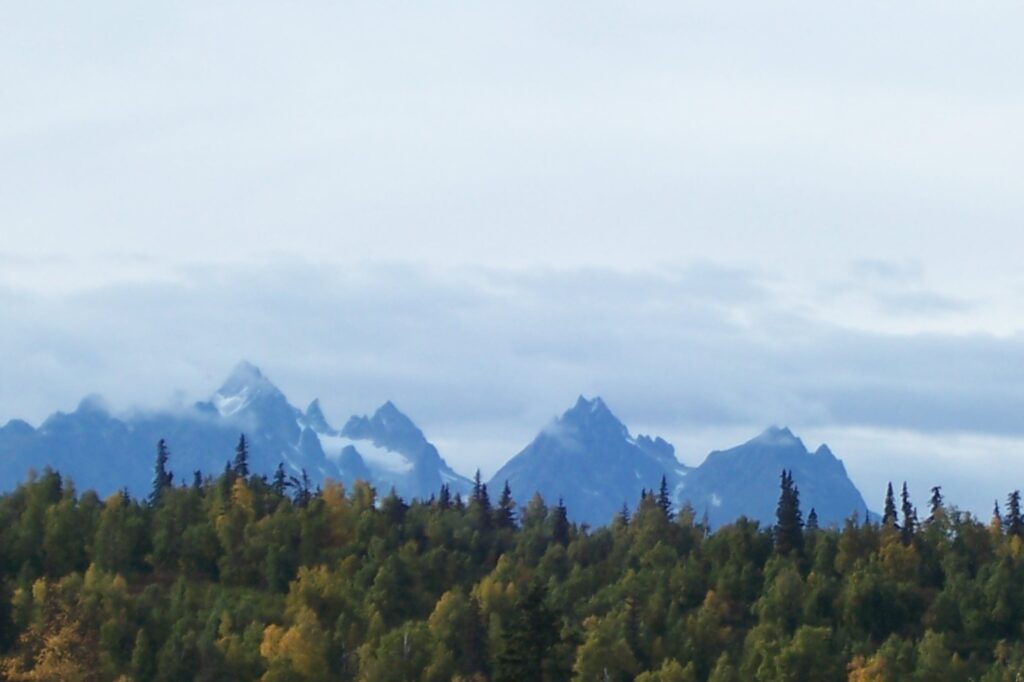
(587, 457)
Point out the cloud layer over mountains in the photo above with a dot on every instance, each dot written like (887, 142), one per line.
(482, 356)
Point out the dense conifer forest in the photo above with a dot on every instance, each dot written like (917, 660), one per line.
(246, 577)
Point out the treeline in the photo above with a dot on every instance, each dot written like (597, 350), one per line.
(246, 577)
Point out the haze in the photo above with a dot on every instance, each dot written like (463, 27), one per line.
(717, 216)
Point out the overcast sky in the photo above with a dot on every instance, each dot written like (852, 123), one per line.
(718, 216)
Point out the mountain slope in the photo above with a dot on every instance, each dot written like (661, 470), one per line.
(389, 450)
(105, 452)
(587, 458)
(744, 480)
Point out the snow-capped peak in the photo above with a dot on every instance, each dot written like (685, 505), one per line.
(778, 436)
(245, 384)
(245, 375)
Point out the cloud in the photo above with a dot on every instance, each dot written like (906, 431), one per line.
(920, 303)
(482, 359)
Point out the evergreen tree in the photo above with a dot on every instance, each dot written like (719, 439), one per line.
(909, 516)
(505, 513)
(632, 633)
(560, 524)
(474, 640)
(241, 463)
(303, 491)
(444, 497)
(394, 508)
(280, 484)
(664, 499)
(197, 480)
(789, 536)
(480, 503)
(889, 514)
(624, 514)
(1013, 523)
(812, 520)
(480, 495)
(162, 478)
(935, 503)
(528, 639)
(227, 481)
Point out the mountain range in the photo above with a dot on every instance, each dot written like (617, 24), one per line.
(586, 457)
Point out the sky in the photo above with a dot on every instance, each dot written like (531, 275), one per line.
(717, 216)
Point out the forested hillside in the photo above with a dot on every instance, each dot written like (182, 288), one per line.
(242, 577)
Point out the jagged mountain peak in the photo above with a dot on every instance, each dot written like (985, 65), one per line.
(244, 387)
(591, 406)
(389, 416)
(245, 376)
(592, 418)
(315, 419)
(743, 480)
(588, 458)
(394, 452)
(388, 424)
(824, 451)
(657, 446)
(778, 437)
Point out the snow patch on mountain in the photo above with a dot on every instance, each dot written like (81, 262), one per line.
(375, 456)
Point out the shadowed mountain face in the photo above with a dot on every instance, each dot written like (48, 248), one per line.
(587, 458)
(104, 452)
(744, 480)
(395, 453)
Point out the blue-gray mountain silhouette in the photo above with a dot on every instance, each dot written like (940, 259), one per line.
(389, 450)
(588, 458)
(104, 452)
(744, 481)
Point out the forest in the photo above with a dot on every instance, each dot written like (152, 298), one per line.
(247, 577)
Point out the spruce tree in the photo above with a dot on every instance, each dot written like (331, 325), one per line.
(505, 513)
(909, 516)
(480, 503)
(474, 640)
(789, 535)
(280, 484)
(632, 633)
(560, 524)
(1013, 523)
(241, 463)
(812, 520)
(393, 508)
(528, 638)
(162, 478)
(935, 503)
(444, 497)
(479, 488)
(624, 514)
(664, 499)
(889, 514)
(301, 486)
